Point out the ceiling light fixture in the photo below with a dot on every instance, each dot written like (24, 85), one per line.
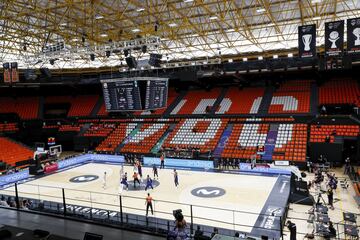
(245, 59)
(103, 35)
(97, 17)
(135, 30)
(140, 9)
(172, 24)
(261, 58)
(290, 55)
(260, 10)
(213, 17)
(316, 18)
(230, 60)
(275, 56)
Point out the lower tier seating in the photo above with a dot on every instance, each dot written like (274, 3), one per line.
(8, 127)
(12, 152)
(116, 137)
(196, 133)
(245, 140)
(145, 138)
(99, 130)
(319, 133)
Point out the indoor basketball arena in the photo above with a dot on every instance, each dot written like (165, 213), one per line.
(180, 119)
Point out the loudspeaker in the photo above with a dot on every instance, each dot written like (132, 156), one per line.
(6, 65)
(131, 62)
(46, 72)
(30, 74)
(155, 59)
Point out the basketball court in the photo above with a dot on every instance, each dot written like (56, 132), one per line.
(230, 201)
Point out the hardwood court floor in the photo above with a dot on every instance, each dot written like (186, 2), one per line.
(242, 193)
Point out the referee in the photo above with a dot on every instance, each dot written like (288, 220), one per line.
(148, 204)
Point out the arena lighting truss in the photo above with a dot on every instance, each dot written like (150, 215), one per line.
(135, 47)
(189, 30)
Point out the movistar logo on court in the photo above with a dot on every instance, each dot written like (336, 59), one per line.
(83, 178)
(208, 192)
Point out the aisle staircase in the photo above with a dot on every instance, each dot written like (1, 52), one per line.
(97, 107)
(266, 101)
(270, 142)
(222, 142)
(133, 132)
(216, 105)
(161, 141)
(314, 99)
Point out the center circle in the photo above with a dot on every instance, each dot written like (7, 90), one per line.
(208, 192)
(83, 178)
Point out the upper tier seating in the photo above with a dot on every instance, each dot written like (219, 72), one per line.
(246, 138)
(145, 138)
(99, 130)
(320, 132)
(8, 127)
(116, 137)
(342, 91)
(246, 101)
(80, 106)
(25, 107)
(196, 133)
(196, 102)
(12, 152)
(292, 97)
(102, 110)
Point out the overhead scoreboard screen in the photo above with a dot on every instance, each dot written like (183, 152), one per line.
(134, 94)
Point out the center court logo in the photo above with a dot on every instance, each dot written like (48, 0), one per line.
(83, 178)
(208, 192)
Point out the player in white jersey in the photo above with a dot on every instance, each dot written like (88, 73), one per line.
(104, 181)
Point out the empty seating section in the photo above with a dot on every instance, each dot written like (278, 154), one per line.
(12, 152)
(196, 102)
(246, 101)
(102, 110)
(172, 95)
(99, 130)
(196, 133)
(291, 143)
(320, 132)
(8, 127)
(24, 107)
(145, 138)
(116, 137)
(244, 140)
(82, 105)
(292, 97)
(342, 91)
(69, 128)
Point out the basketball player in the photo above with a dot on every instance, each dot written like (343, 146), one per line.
(104, 181)
(162, 161)
(176, 178)
(121, 171)
(136, 179)
(148, 204)
(124, 182)
(149, 183)
(140, 169)
(155, 171)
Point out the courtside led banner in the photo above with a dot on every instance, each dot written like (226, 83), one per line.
(334, 38)
(307, 41)
(353, 35)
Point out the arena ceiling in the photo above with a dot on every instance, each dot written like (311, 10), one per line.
(188, 29)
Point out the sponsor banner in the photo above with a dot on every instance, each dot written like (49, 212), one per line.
(246, 167)
(51, 168)
(90, 157)
(353, 35)
(173, 162)
(334, 38)
(307, 41)
(73, 161)
(107, 158)
(282, 163)
(14, 177)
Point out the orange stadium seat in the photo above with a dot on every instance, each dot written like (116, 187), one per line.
(24, 107)
(340, 91)
(12, 152)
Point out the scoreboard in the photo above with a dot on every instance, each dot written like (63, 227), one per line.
(134, 94)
